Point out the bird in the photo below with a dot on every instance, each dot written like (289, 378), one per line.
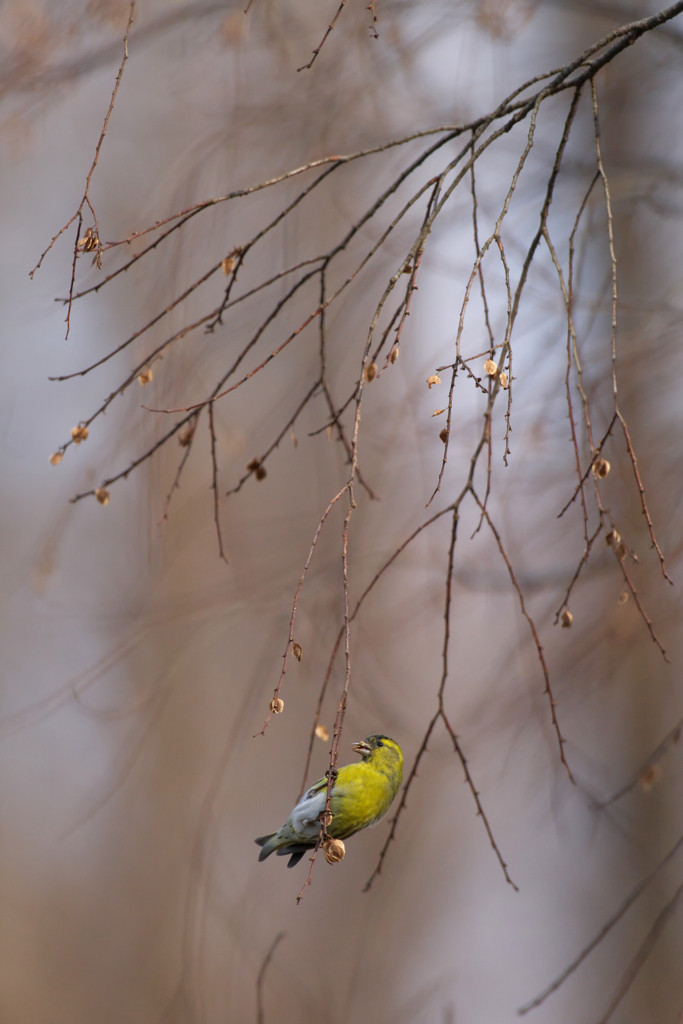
(361, 795)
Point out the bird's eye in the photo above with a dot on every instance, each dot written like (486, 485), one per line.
(380, 744)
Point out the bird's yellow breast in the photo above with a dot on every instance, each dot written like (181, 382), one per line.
(361, 796)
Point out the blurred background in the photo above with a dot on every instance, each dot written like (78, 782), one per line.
(137, 666)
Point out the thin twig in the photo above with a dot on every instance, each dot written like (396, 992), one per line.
(305, 67)
(534, 632)
(260, 1011)
(86, 195)
(643, 953)
(214, 486)
(672, 737)
(604, 931)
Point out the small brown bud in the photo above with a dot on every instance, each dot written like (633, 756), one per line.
(56, 458)
(566, 618)
(393, 355)
(620, 551)
(228, 265)
(253, 465)
(322, 732)
(261, 473)
(490, 367)
(334, 850)
(444, 434)
(79, 434)
(649, 777)
(437, 412)
(186, 434)
(612, 538)
(406, 268)
(434, 379)
(623, 597)
(297, 650)
(145, 377)
(370, 372)
(277, 705)
(102, 495)
(504, 381)
(601, 468)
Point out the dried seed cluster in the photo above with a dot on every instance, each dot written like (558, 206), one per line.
(186, 434)
(257, 469)
(334, 850)
(89, 241)
(601, 468)
(79, 434)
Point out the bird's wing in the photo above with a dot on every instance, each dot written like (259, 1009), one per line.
(303, 820)
(316, 787)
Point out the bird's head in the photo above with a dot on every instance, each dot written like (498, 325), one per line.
(381, 752)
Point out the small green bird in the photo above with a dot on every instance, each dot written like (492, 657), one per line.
(361, 796)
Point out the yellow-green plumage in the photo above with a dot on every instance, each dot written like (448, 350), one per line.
(361, 796)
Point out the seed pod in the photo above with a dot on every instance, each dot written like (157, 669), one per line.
(79, 434)
(253, 465)
(370, 372)
(434, 379)
(649, 777)
(261, 473)
(504, 381)
(601, 468)
(437, 412)
(623, 597)
(297, 650)
(444, 434)
(228, 265)
(325, 818)
(322, 732)
(277, 706)
(566, 618)
(102, 495)
(334, 850)
(56, 458)
(612, 538)
(490, 367)
(393, 355)
(89, 241)
(145, 377)
(620, 551)
(185, 436)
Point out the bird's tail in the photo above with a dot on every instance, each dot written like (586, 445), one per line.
(269, 845)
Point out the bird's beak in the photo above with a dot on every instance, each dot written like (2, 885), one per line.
(362, 748)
